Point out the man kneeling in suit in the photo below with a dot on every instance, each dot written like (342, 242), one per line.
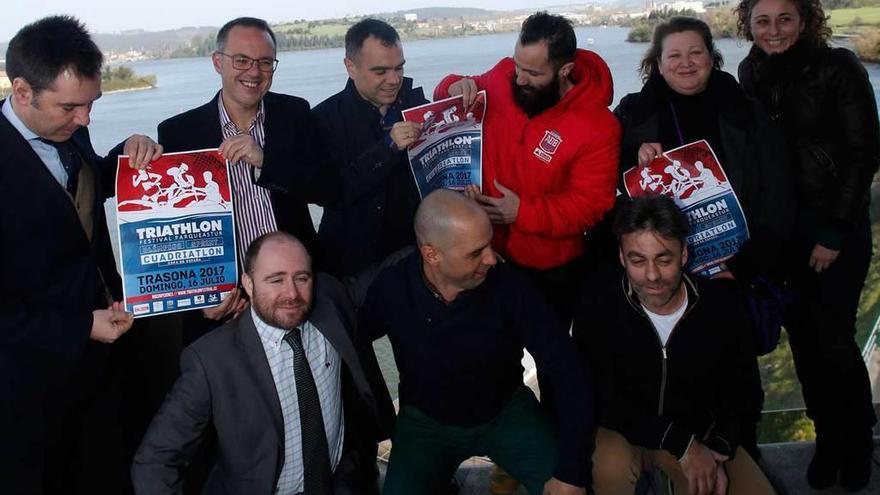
(282, 386)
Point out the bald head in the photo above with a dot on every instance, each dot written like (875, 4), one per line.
(443, 214)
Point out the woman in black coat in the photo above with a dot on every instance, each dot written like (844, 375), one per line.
(823, 101)
(686, 98)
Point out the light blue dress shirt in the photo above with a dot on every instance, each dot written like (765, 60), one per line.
(47, 153)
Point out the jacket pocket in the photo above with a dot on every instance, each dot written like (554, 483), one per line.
(817, 171)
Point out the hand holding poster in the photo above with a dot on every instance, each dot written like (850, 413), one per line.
(449, 152)
(176, 233)
(693, 177)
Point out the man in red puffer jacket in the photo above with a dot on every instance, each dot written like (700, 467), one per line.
(550, 152)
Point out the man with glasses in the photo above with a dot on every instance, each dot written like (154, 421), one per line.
(268, 139)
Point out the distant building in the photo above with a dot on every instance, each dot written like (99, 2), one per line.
(411, 17)
(679, 6)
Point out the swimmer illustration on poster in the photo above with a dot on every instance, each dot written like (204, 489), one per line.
(693, 177)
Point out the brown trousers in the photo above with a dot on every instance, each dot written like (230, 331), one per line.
(617, 466)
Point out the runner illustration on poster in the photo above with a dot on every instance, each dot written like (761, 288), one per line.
(449, 152)
(695, 179)
(176, 233)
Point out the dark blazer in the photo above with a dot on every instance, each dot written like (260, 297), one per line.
(49, 286)
(226, 383)
(292, 161)
(372, 215)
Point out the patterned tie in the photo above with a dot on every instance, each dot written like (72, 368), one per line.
(70, 160)
(317, 477)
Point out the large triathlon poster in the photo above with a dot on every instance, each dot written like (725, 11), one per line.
(176, 233)
(694, 178)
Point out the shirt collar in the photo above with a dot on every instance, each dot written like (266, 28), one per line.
(431, 287)
(227, 123)
(16, 122)
(269, 335)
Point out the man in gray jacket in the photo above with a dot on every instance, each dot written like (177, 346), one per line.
(282, 385)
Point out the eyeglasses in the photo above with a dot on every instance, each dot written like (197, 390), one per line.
(243, 62)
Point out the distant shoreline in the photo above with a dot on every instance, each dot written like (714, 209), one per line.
(127, 90)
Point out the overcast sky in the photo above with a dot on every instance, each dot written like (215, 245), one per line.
(154, 15)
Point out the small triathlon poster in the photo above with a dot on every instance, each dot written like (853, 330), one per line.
(449, 152)
(694, 178)
(176, 233)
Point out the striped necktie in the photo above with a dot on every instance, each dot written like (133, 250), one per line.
(317, 477)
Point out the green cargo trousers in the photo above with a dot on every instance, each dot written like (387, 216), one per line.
(425, 453)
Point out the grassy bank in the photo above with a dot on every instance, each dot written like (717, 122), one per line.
(123, 78)
(843, 19)
(863, 24)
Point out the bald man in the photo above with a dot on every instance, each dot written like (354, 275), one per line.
(266, 382)
(458, 320)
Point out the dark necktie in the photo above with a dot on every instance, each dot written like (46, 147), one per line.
(70, 160)
(317, 478)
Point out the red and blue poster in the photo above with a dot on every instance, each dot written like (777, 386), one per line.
(449, 152)
(694, 178)
(176, 233)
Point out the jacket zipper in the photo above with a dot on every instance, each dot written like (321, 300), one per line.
(776, 103)
(660, 402)
(638, 307)
(662, 379)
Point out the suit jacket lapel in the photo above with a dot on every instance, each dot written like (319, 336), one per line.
(248, 342)
(326, 319)
(33, 170)
(210, 112)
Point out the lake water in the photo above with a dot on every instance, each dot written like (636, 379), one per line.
(315, 75)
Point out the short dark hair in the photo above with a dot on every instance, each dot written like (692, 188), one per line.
(358, 33)
(43, 49)
(556, 31)
(650, 212)
(253, 250)
(253, 22)
(651, 60)
(816, 29)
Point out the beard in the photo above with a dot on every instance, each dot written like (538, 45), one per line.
(287, 313)
(532, 100)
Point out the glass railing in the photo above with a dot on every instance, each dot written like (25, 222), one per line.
(784, 416)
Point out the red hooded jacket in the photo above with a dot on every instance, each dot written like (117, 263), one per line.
(562, 163)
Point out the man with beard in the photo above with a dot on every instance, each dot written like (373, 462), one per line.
(550, 152)
(281, 385)
(367, 140)
(673, 361)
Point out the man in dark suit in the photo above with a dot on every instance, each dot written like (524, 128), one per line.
(58, 281)
(272, 383)
(373, 213)
(268, 138)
